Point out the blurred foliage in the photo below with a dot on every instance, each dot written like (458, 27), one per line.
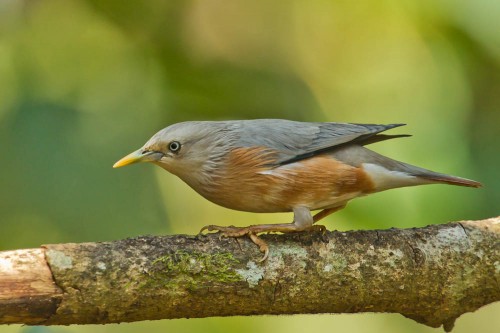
(82, 83)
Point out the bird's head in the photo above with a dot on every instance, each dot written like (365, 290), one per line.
(184, 149)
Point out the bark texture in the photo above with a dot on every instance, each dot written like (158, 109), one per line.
(431, 275)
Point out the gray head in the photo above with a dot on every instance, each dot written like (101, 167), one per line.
(189, 150)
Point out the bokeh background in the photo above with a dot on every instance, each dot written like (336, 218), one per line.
(83, 82)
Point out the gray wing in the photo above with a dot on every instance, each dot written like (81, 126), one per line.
(299, 140)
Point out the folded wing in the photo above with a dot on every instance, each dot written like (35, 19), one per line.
(295, 141)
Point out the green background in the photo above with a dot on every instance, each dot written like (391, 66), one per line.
(82, 83)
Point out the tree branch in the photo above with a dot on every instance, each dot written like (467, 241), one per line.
(432, 275)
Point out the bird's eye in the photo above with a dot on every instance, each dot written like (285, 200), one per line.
(174, 146)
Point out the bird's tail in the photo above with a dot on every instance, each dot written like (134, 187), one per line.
(448, 179)
(431, 177)
(388, 173)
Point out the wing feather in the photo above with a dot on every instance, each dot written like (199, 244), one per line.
(295, 141)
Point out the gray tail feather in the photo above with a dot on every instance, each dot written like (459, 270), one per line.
(435, 177)
(447, 179)
(357, 155)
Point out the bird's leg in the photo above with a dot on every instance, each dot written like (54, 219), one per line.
(302, 221)
(325, 212)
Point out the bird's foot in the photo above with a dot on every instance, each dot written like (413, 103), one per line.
(230, 231)
(235, 232)
(263, 247)
(253, 230)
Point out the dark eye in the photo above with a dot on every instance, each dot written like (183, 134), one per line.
(174, 146)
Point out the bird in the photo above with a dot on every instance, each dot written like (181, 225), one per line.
(278, 165)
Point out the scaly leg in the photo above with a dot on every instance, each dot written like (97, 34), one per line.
(325, 212)
(302, 221)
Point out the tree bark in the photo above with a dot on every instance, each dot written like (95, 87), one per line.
(431, 275)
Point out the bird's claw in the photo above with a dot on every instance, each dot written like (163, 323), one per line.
(263, 247)
(235, 232)
(252, 232)
(230, 231)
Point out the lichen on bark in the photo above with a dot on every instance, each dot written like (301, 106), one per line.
(192, 269)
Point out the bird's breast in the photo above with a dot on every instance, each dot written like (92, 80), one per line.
(247, 181)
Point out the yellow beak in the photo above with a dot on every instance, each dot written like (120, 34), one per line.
(139, 156)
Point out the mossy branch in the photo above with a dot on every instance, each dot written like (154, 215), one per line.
(432, 275)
